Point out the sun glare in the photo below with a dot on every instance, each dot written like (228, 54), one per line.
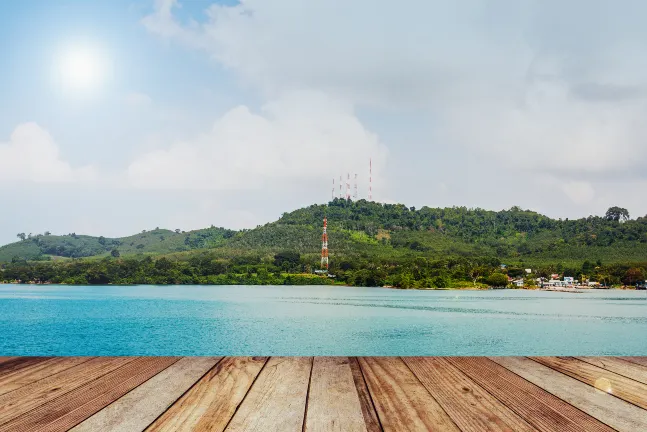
(82, 69)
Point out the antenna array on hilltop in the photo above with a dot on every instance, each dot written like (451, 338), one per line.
(345, 187)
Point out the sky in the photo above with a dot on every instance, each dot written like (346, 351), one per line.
(127, 115)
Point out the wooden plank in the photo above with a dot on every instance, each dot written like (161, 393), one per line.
(468, 405)
(615, 412)
(21, 377)
(602, 379)
(637, 360)
(402, 402)
(277, 400)
(61, 414)
(212, 401)
(135, 411)
(541, 409)
(6, 359)
(35, 394)
(14, 364)
(371, 421)
(333, 402)
(618, 365)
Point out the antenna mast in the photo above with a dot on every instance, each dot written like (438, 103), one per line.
(324, 245)
(348, 186)
(355, 189)
(332, 194)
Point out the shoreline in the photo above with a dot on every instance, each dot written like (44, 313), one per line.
(577, 290)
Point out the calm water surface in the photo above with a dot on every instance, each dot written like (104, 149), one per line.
(294, 320)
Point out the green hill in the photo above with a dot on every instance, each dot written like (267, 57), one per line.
(157, 241)
(370, 244)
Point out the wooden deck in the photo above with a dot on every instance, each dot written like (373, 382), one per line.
(88, 394)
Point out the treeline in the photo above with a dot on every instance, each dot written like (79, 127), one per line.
(290, 267)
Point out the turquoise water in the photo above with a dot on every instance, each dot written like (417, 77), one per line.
(292, 320)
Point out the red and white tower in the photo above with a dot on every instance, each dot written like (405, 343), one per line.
(324, 245)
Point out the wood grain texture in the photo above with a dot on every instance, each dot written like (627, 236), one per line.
(402, 402)
(135, 411)
(28, 397)
(21, 377)
(61, 414)
(371, 420)
(541, 409)
(469, 406)
(615, 412)
(14, 364)
(602, 379)
(211, 402)
(277, 400)
(333, 402)
(622, 367)
(637, 360)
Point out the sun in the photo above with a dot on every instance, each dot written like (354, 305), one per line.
(82, 68)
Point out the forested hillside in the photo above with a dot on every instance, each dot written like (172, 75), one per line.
(370, 244)
(42, 247)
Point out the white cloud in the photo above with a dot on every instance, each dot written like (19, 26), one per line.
(579, 192)
(511, 89)
(560, 85)
(32, 155)
(303, 136)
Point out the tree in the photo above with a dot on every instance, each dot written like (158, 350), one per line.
(617, 214)
(476, 272)
(48, 233)
(633, 275)
(177, 231)
(115, 253)
(497, 280)
(163, 264)
(287, 259)
(21, 236)
(102, 240)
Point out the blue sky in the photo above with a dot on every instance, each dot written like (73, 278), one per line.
(205, 112)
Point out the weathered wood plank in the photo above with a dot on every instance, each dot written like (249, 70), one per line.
(371, 421)
(615, 412)
(37, 393)
(14, 364)
(402, 402)
(602, 379)
(212, 401)
(469, 406)
(618, 365)
(21, 377)
(135, 411)
(61, 414)
(541, 409)
(277, 400)
(6, 359)
(333, 402)
(637, 360)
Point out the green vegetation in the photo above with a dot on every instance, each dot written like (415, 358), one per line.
(157, 241)
(370, 245)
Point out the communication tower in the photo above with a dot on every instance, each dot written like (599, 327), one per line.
(324, 245)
